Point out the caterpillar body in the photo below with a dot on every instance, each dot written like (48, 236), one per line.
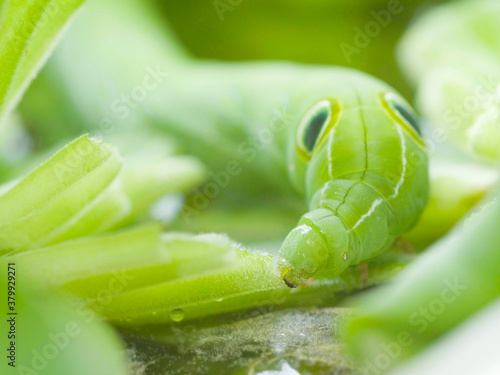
(348, 143)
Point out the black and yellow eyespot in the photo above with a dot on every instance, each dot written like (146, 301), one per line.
(403, 114)
(315, 125)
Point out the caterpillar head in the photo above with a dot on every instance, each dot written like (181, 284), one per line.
(330, 151)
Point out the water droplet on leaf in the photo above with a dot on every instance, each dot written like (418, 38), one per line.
(177, 315)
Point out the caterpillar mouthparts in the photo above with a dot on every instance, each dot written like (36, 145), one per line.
(304, 254)
(289, 284)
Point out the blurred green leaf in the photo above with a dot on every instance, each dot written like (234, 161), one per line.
(453, 280)
(80, 191)
(474, 342)
(456, 187)
(146, 181)
(28, 29)
(54, 337)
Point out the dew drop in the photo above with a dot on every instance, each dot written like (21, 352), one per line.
(177, 315)
(344, 256)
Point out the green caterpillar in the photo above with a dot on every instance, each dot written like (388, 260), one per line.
(364, 171)
(352, 147)
(348, 143)
(452, 55)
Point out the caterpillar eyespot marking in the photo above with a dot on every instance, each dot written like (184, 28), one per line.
(402, 114)
(311, 126)
(407, 116)
(315, 125)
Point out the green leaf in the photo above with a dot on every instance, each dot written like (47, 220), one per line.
(112, 206)
(456, 187)
(95, 255)
(232, 280)
(54, 337)
(48, 202)
(451, 281)
(474, 342)
(81, 191)
(178, 256)
(28, 29)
